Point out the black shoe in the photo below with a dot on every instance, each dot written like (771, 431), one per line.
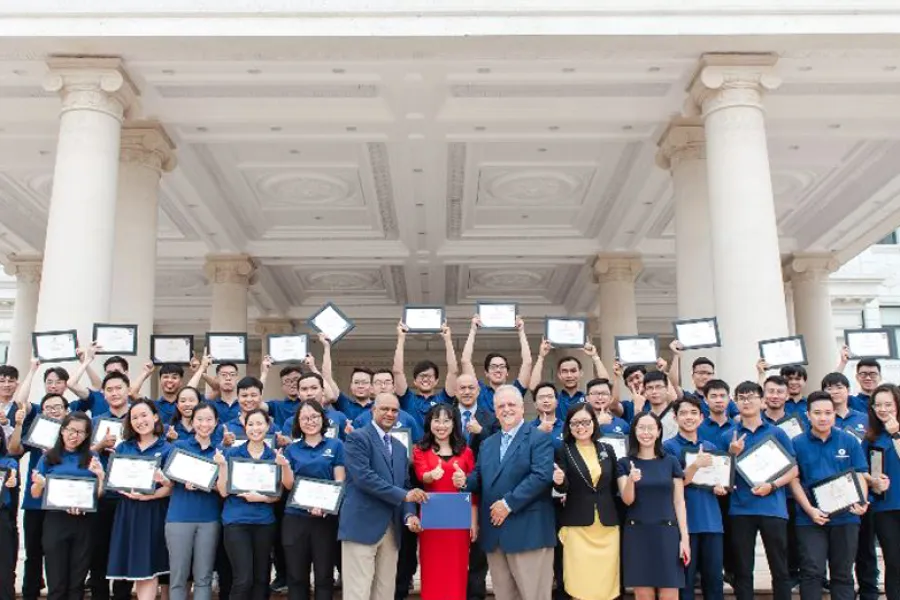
(728, 578)
(279, 586)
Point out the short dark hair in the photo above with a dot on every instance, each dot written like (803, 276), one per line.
(296, 432)
(598, 381)
(9, 371)
(566, 359)
(686, 399)
(632, 369)
(634, 445)
(115, 375)
(203, 405)
(868, 362)
(748, 387)
(573, 410)
(818, 396)
(128, 433)
(716, 384)
(789, 371)
(311, 375)
(171, 369)
(702, 360)
(363, 370)
(288, 370)
(60, 373)
(222, 365)
(250, 382)
(542, 385)
(256, 411)
(834, 379)
(60, 396)
(425, 365)
(383, 372)
(491, 356)
(112, 360)
(655, 376)
(776, 379)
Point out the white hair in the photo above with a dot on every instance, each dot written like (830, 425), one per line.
(512, 391)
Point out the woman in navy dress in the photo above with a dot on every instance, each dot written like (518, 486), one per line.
(138, 545)
(181, 428)
(651, 484)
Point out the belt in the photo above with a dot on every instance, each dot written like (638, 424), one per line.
(664, 523)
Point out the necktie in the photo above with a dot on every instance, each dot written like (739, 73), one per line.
(504, 444)
(388, 447)
(467, 416)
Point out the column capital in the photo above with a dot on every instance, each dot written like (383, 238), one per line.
(805, 267)
(230, 268)
(726, 80)
(617, 267)
(26, 269)
(99, 84)
(274, 325)
(147, 144)
(684, 139)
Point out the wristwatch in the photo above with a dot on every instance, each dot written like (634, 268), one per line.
(895, 436)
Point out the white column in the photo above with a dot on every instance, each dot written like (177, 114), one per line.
(266, 327)
(812, 311)
(146, 152)
(230, 277)
(749, 292)
(615, 274)
(27, 271)
(78, 256)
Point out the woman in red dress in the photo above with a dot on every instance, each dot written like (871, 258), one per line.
(444, 554)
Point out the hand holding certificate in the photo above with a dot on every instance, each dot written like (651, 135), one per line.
(332, 322)
(311, 494)
(227, 347)
(423, 319)
(791, 426)
(618, 441)
(496, 315)
(697, 333)
(288, 348)
(78, 494)
(764, 463)
(116, 339)
(55, 346)
(248, 476)
(720, 473)
(106, 427)
(838, 493)
(869, 343)
(132, 474)
(563, 332)
(781, 352)
(191, 470)
(43, 432)
(173, 349)
(637, 349)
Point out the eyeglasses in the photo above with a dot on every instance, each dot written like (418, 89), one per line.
(747, 398)
(868, 374)
(312, 419)
(290, 380)
(502, 367)
(547, 397)
(576, 423)
(360, 382)
(75, 432)
(599, 394)
(654, 388)
(707, 373)
(54, 407)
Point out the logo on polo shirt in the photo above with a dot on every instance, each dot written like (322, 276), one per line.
(328, 453)
(618, 429)
(842, 453)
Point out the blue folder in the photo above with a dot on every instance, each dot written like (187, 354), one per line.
(447, 511)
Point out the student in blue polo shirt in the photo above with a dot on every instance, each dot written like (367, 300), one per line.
(704, 517)
(91, 398)
(717, 422)
(759, 509)
(221, 390)
(868, 376)
(248, 518)
(547, 419)
(67, 534)
(192, 522)
(796, 377)
(703, 370)
(883, 438)
(311, 387)
(420, 398)
(599, 396)
(496, 366)
(310, 536)
(826, 540)
(634, 378)
(170, 381)
(250, 399)
(568, 375)
(852, 421)
(9, 538)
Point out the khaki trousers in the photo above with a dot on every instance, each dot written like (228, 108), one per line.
(370, 571)
(522, 575)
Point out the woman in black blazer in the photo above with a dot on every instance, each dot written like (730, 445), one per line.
(584, 477)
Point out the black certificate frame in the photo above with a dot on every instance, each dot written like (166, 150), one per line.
(241, 360)
(134, 345)
(788, 418)
(614, 436)
(292, 497)
(311, 321)
(731, 468)
(582, 320)
(621, 338)
(284, 335)
(715, 322)
(408, 433)
(125, 457)
(762, 343)
(155, 337)
(408, 307)
(861, 499)
(178, 451)
(892, 348)
(40, 417)
(38, 334)
(233, 491)
(515, 305)
(792, 461)
(47, 506)
(96, 430)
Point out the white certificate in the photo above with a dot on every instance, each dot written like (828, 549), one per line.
(253, 476)
(783, 351)
(55, 346)
(637, 350)
(669, 424)
(791, 426)
(331, 432)
(837, 493)
(763, 463)
(876, 462)
(563, 332)
(312, 493)
(188, 468)
(332, 322)
(63, 493)
(290, 348)
(107, 426)
(43, 432)
(869, 343)
(697, 333)
(116, 339)
(404, 436)
(717, 474)
(494, 315)
(131, 473)
(619, 444)
(424, 318)
(175, 349)
(227, 347)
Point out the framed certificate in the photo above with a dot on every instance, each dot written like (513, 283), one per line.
(248, 475)
(404, 436)
(637, 349)
(497, 315)
(721, 472)
(55, 346)
(227, 347)
(332, 322)
(332, 431)
(764, 462)
(116, 339)
(780, 352)
(870, 343)
(669, 424)
(131, 473)
(105, 426)
(837, 493)
(62, 493)
(697, 333)
(43, 432)
(876, 462)
(791, 426)
(565, 332)
(173, 349)
(288, 347)
(423, 319)
(317, 493)
(185, 467)
(618, 442)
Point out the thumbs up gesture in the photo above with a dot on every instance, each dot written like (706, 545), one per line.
(635, 474)
(219, 458)
(437, 472)
(474, 427)
(737, 444)
(459, 476)
(558, 476)
(227, 436)
(703, 459)
(171, 434)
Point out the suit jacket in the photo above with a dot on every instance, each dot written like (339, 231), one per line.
(489, 426)
(375, 488)
(523, 479)
(581, 496)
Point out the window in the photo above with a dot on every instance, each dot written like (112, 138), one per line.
(890, 319)
(888, 240)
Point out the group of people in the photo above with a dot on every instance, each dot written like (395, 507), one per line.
(599, 493)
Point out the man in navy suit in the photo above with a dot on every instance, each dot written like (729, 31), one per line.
(376, 504)
(513, 475)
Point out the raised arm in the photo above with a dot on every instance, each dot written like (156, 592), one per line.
(675, 367)
(23, 392)
(469, 348)
(599, 368)
(761, 367)
(200, 371)
(136, 385)
(843, 359)
(331, 387)
(452, 365)
(524, 377)
(538, 369)
(400, 382)
(74, 382)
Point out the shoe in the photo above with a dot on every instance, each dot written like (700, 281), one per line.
(338, 582)
(728, 578)
(279, 586)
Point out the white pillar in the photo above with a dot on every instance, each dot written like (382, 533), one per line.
(78, 255)
(615, 274)
(27, 271)
(146, 152)
(749, 292)
(265, 327)
(812, 311)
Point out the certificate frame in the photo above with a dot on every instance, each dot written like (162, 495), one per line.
(515, 306)
(873, 454)
(36, 335)
(207, 486)
(243, 359)
(156, 361)
(792, 461)
(860, 498)
(584, 324)
(292, 497)
(34, 424)
(233, 490)
(45, 505)
(113, 458)
(398, 433)
(130, 351)
(763, 343)
(351, 324)
(788, 419)
(625, 338)
(409, 307)
(619, 438)
(715, 324)
(891, 349)
(731, 467)
(289, 361)
(95, 436)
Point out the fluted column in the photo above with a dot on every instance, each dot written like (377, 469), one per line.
(728, 91)
(230, 276)
(27, 271)
(812, 310)
(266, 327)
(615, 274)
